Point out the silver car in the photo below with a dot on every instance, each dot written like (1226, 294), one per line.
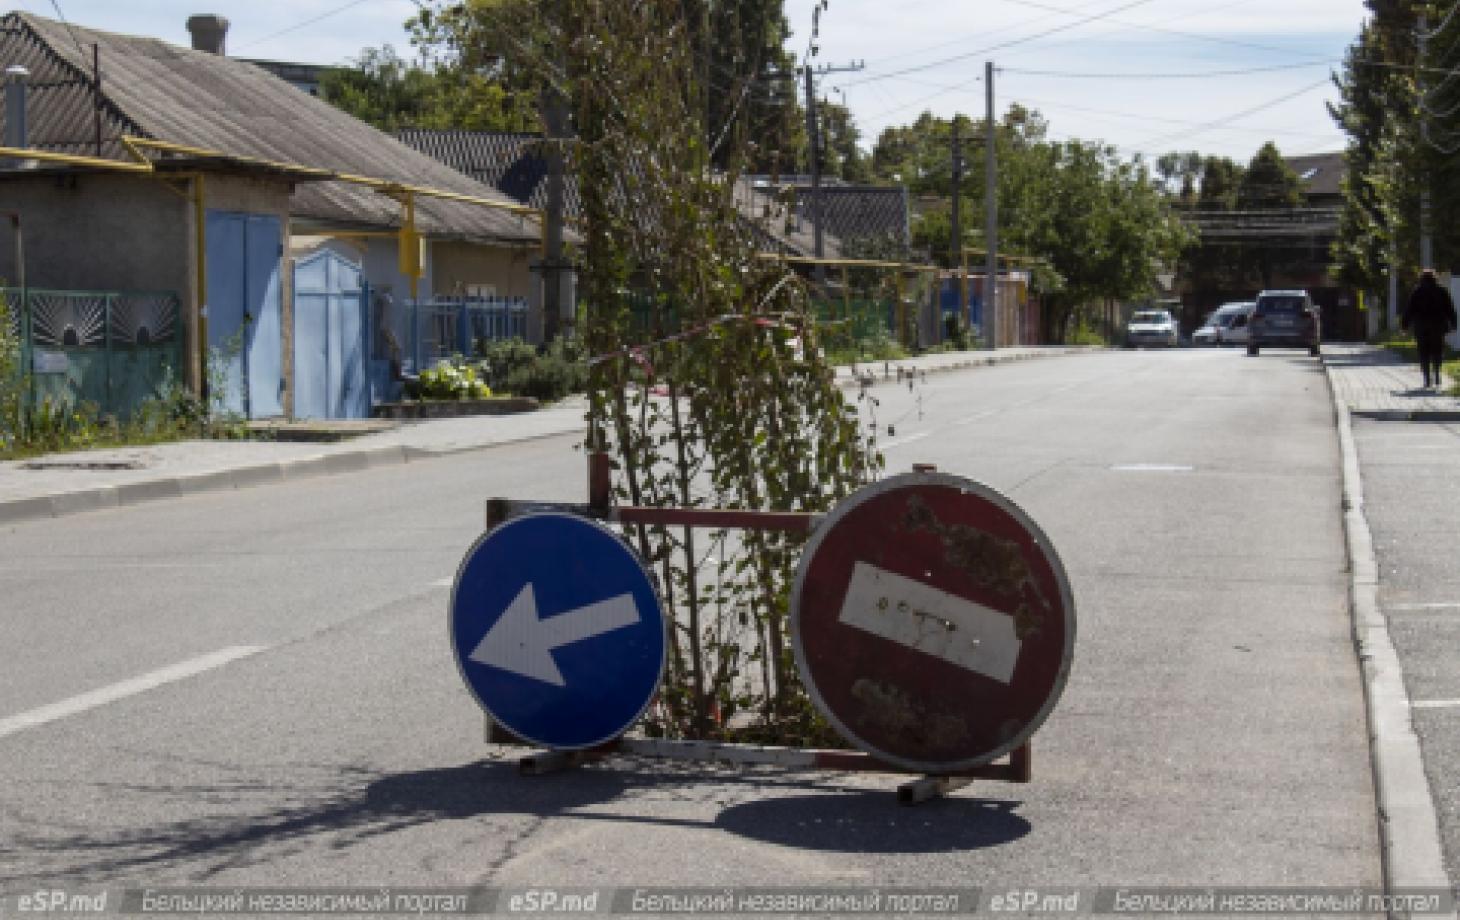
(1151, 327)
(1227, 325)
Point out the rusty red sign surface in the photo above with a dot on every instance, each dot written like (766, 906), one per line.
(932, 622)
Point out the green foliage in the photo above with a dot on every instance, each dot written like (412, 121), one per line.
(12, 381)
(739, 411)
(550, 376)
(454, 379)
(390, 93)
(500, 359)
(1399, 109)
(1100, 224)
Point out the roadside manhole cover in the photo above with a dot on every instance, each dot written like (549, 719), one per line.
(91, 465)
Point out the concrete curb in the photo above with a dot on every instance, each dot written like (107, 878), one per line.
(1409, 835)
(350, 461)
(896, 371)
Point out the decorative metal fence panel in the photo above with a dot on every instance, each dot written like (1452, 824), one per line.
(851, 324)
(108, 348)
(431, 330)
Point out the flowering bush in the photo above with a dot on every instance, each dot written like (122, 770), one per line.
(453, 380)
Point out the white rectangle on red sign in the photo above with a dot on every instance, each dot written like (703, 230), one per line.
(934, 622)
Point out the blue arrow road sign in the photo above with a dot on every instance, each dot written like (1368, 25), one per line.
(557, 630)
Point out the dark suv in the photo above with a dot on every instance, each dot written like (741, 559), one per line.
(1284, 318)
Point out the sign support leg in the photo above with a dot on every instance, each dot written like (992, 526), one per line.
(929, 787)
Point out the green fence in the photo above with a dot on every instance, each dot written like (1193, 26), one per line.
(854, 325)
(112, 349)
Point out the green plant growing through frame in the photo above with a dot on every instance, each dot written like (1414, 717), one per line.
(723, 398)
(12, 380)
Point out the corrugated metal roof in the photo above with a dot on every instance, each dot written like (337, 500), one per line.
(153, 89)
(513, 164)
(1322, 173)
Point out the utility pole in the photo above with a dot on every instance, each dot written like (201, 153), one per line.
(955, 230)
(813, 134)
(554, 266)
(1426, 244)
(991, 219)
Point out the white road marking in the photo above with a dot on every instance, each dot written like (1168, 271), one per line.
(1444, 606)
(898, 442)
(1434, 704)
(934, 622)
(118, 691)
(1153, 468)
(446, 582)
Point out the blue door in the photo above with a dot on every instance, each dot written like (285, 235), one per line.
(243, 311)
(331, 332)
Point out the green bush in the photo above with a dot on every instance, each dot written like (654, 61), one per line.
(454, 379)
(501, 359)
(551, 377)
(12, 382)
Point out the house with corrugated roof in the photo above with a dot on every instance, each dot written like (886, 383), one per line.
(783, 211)
(151, 167)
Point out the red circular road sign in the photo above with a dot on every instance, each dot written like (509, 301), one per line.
(932, 622)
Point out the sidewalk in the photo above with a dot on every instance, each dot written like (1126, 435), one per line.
(1376, 383)
(1384, 466)
(58, 484)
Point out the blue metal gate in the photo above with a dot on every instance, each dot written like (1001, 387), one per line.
(244, 251)
(331, 331)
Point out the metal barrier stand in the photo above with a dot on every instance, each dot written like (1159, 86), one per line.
(1017, 768)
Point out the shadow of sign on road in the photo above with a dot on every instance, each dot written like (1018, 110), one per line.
(871, 822)
(223, 837)
(231, 828)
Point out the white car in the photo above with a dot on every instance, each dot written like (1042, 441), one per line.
(1227, 325)
(1151, 327)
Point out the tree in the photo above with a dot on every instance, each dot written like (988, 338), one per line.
(841, 157)
(1268, 183)
(710, 388)
(1400, 107)
(1220, 179)
(744, 82)
(390, 93)
(1100, 225)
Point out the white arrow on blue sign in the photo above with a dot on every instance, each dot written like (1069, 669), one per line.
(557, 630)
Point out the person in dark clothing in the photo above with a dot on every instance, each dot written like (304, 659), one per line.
(1431, 314)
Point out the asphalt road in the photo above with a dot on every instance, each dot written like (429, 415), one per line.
(1212, 731)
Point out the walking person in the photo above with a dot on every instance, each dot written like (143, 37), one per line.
(1431, 314)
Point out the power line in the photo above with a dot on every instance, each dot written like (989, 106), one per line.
(1166, 139)
(1002, 45)
(298, 25)
(1146, 117)
(1197, 36)
(963, 39)
(1240, 72)
(69, 31)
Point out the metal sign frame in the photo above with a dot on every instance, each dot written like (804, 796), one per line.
(500, 511)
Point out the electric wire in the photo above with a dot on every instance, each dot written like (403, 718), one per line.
(1189, 75)
(1431, 33)
(1197, 36)
(70, 31)
(1221, 122)
(1002, 45)
(299, 25)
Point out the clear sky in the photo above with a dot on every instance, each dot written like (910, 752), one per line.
(1219, 76)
